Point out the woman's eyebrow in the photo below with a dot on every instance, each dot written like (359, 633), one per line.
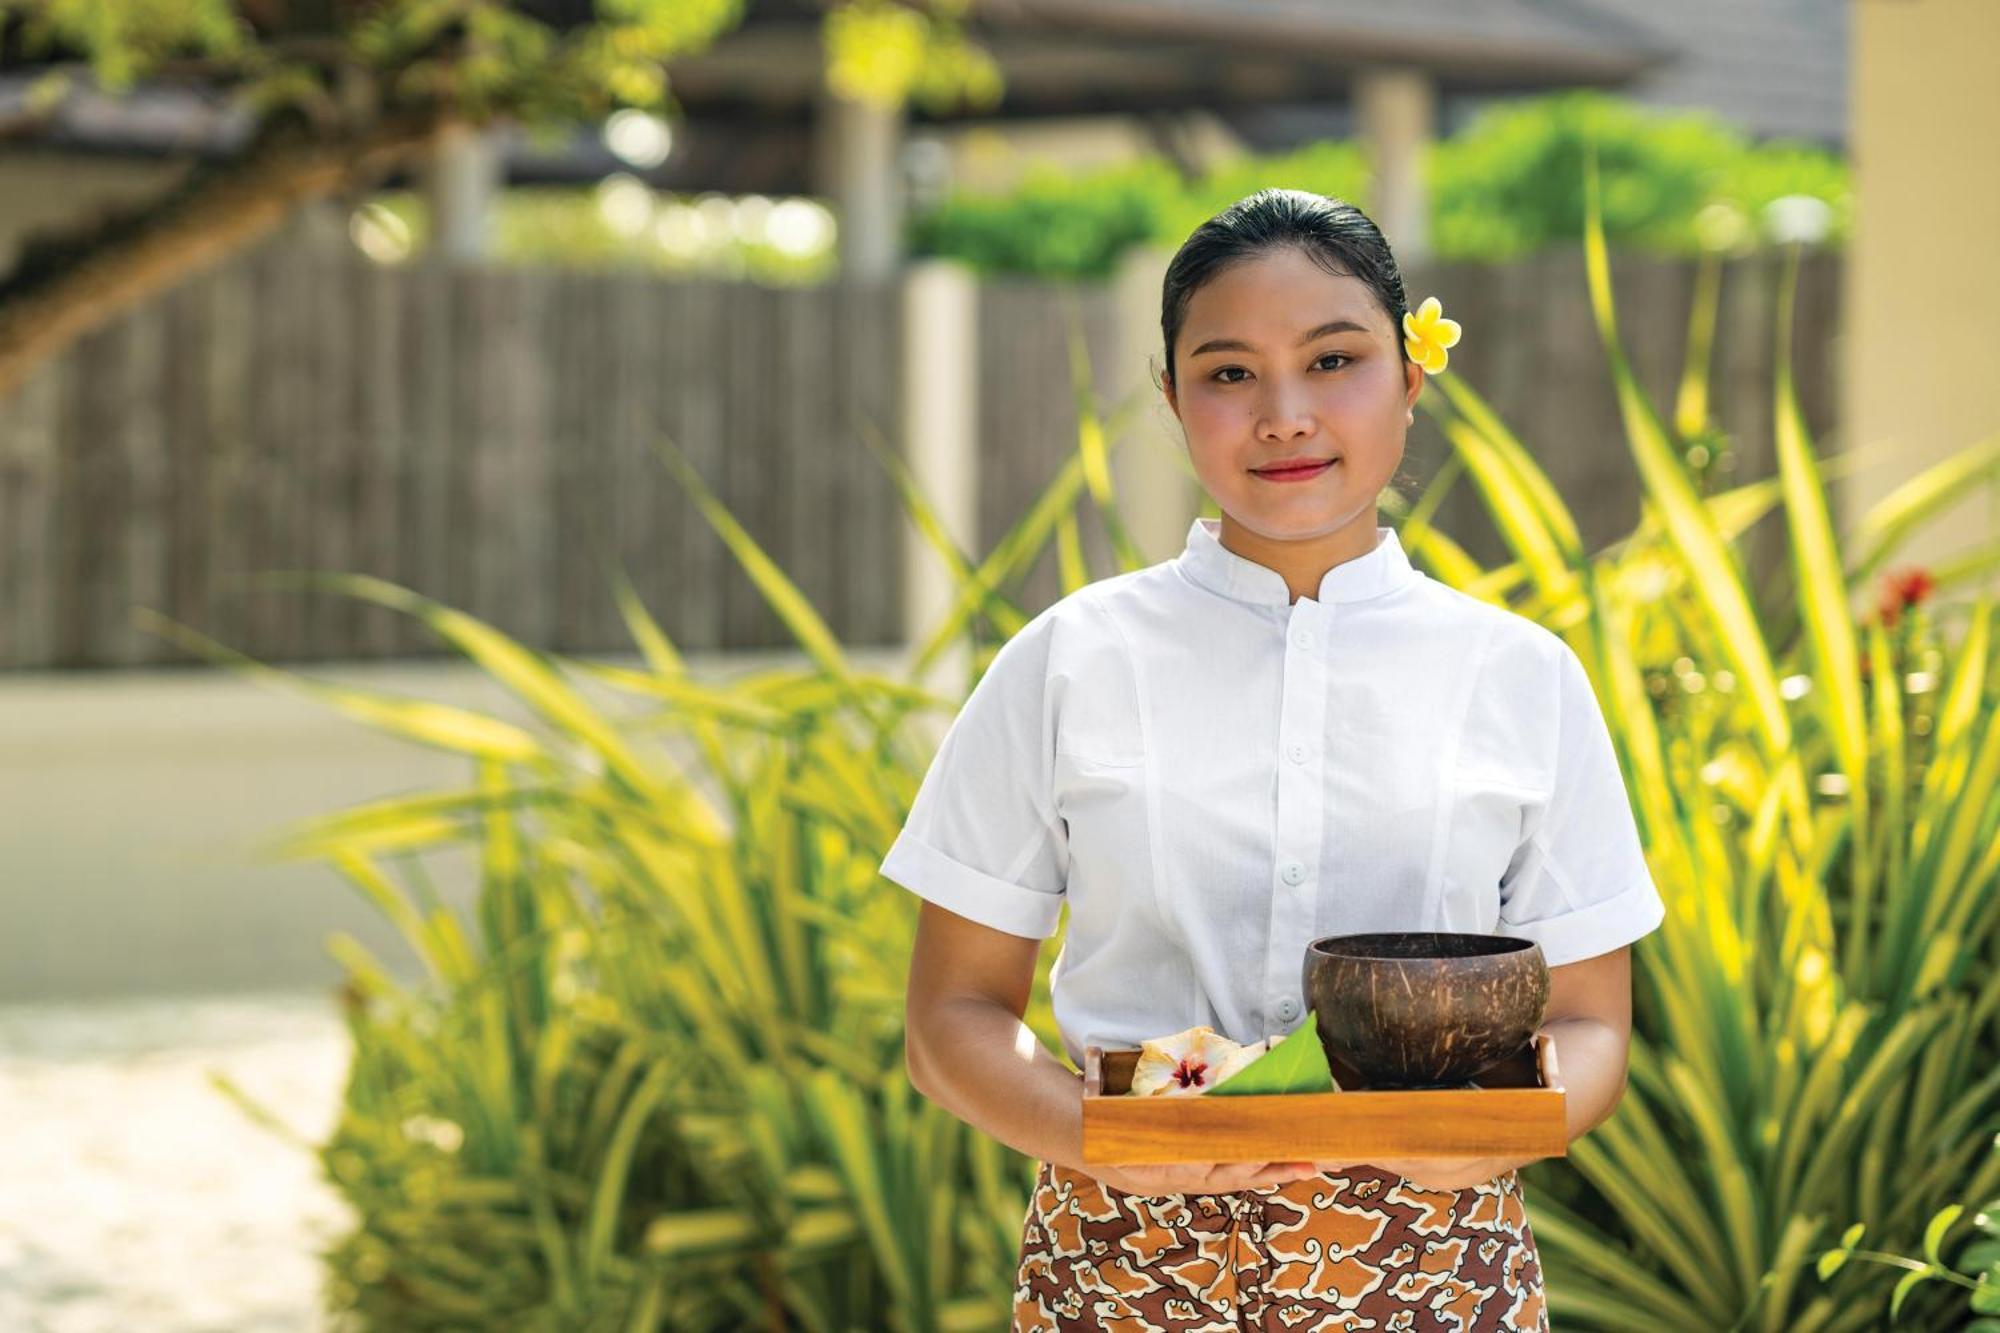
(1234, 345)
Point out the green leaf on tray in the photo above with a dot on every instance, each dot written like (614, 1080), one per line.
(1295, 1064)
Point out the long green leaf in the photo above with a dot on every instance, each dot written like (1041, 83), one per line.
(608, 1197)
(441, 726)
(1891, 520)
(1715, 577)
(779, 592)
(1822, 592)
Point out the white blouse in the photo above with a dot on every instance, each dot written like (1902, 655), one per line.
(1211, 776)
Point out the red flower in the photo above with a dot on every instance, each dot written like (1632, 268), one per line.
(1902, 590)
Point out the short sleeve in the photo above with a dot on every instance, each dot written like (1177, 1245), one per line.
(1578, 884)
(983, 838)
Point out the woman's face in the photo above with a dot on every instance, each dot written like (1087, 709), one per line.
(1276, 359)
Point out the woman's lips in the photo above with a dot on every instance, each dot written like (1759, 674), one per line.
(1294, 473)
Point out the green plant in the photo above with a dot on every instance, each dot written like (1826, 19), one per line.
(1513, 181)
(1981, 1257)
(657, 1080)
(1052, 224)
(1510, 183)
(567, 227)
(1815, 1036)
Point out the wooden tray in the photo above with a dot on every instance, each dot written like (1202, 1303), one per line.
(1513, 1109)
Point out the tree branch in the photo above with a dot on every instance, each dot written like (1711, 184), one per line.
(64, 289)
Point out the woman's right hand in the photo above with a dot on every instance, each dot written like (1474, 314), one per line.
(969, 986)
(1197, 1177)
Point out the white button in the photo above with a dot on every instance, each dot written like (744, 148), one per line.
(1295, 752)
(1288, 1010)
(1293, 872)
(1302, 638)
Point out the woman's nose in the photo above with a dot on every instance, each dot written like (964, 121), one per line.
(1285, 412)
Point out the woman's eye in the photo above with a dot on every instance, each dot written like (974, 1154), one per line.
(1220, 374)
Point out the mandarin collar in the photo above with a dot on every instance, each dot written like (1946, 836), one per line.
(1208, 562)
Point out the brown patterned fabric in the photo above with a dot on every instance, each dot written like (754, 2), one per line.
(1357, 1249)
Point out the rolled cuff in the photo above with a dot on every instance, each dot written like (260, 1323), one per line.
(974, 894)
(1596, 929)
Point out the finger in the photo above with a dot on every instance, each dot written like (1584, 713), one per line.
(1157, 1171)
(1278, 1173)
(1207, 1178)
(1225, 1175)
(1153, 1176)
(1169, 1179)
(1285, 1173)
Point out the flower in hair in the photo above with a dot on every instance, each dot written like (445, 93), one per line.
(1426, 333)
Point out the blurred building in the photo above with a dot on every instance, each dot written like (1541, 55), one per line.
(1087, 81)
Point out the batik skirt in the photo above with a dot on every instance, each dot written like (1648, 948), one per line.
(1355, 1249)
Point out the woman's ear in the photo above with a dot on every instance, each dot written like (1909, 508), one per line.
(1413, 389)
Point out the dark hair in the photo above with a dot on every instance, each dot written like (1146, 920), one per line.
(1336, 235)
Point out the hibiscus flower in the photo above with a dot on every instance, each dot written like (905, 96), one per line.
(1189, 1063)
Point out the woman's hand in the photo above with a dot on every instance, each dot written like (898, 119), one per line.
(1438, 1173)
(1198, 1177)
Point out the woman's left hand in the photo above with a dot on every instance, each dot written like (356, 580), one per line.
(1437, 1173)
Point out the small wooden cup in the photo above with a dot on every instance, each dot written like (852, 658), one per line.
(1424, 1009)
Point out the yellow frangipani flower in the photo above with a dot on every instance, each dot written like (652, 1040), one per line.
(1426, 333)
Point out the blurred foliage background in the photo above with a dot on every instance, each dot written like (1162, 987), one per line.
(1511, 183)
(1508, 184)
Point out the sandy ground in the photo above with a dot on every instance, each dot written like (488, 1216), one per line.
(136, 1196)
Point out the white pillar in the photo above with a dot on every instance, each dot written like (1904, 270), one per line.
(941, 439)
(465, 174)
(1920, 300)
(1396, 109)
(859, 161)
(1158, 495)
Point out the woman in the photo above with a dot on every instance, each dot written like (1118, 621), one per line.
(1284, 732)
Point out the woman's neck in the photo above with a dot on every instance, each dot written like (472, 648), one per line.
(1303, 562)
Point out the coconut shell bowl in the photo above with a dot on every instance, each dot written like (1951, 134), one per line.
(1424, 1009)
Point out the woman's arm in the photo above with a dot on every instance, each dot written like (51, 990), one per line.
(1589, 1018)
(968, 1050)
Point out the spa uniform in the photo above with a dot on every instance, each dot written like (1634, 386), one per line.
(1211, 776)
